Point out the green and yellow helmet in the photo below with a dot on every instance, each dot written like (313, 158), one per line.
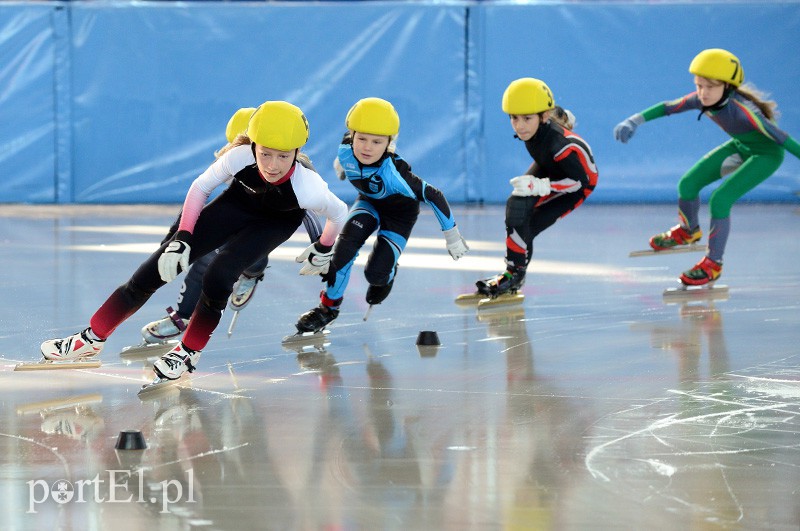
(237, 125)
(719, 64)
(373, 116)
(278, 125)
(527, 95)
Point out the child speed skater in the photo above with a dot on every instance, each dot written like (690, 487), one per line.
(388, 202)
(264, 205)
(562, 175)
(753, 153)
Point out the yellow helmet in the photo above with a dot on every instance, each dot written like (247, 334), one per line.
(373, 116)
(278, 125)
(719, 64)
(237, 125)
(527, 96)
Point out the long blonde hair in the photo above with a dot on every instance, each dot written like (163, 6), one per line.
(240, 140)
(760, 99)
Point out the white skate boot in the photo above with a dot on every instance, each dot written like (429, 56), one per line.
(164, 329)
(243, 291)
(73, 352)
(170, 367)
(177, 361)
(74, 347)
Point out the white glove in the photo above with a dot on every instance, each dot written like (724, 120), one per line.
(456, 245)
(317, 258)
(173, 260)
(528, 185)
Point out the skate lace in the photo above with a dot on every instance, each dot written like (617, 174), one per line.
(173, 360)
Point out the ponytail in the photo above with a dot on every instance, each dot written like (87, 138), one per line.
(759, 98)
(563, 117)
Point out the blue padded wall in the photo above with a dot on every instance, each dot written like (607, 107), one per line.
(152, 107)
(124, 102)
(607, 61)
(27, 102)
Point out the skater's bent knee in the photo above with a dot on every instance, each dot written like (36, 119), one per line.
(518, 209)
(135, 293)
(213, 303)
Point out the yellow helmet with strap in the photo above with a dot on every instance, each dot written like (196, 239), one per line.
(373, 116)
(719, 64)
(237, 125)
(527, 96)
(278, 125)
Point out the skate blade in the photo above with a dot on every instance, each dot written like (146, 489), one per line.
(146, 350)
(305, 337)
(49, 365)
(59, 403)
(691, 248)
(308, 346)
(512, 299)
(233, 322)
(503, 315)
(707, 292)
(158, 385)
(470, 299)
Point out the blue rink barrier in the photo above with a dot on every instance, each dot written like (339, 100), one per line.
(119, 102)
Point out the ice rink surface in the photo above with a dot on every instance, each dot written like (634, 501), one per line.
(593, 405)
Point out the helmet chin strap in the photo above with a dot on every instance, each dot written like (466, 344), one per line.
(726, 95)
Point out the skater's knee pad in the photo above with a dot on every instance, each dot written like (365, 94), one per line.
(518, 210)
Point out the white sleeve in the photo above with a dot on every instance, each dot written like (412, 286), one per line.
(313, 194)
(224, 168)
(221, 171)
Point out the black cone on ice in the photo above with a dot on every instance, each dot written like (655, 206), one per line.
(130, 440)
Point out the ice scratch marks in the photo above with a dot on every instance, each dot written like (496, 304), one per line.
(682, 450)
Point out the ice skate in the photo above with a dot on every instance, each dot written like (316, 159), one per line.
(700, 281)
(318, 343)
(497, 290)
(74, 352)
(170, 367)
(376, 295)
(158, 386)
(311, 325)
(161, 331)
(708, 291)
(243, 291)
(675, 240)
(706, 271)
(690, 248)
(145, 351)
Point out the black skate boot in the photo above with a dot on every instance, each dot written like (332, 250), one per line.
(497, 290)
(508, 282)
(484, 285)
(315, 320)
(378, 294)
